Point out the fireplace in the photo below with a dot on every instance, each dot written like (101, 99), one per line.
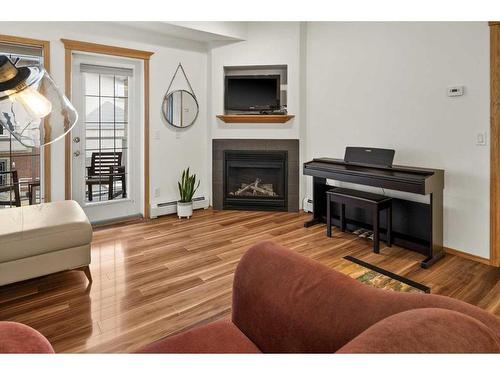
(255, 174)
(255, 180)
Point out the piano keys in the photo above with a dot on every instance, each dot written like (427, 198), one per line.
(416, 226)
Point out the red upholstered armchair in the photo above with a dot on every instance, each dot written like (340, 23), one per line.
(286, 303)
(19, 338)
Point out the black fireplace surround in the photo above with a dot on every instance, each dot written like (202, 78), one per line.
(255, 174)
(255, 180)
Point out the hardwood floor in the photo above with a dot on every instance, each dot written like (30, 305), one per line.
(154, 278)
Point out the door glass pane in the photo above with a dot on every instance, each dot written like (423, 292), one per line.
(106, 123)
(92, 84)
(121, 86)
(92, 109)
(121, 109)
(107, 85)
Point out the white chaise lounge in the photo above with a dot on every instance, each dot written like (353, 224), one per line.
(42, 239)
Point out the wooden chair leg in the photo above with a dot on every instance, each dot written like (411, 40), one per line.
(124, 186)
(17, 192)
(389, 226)
(110, 188)
(328, 217)
(30, 194)
(376, 245)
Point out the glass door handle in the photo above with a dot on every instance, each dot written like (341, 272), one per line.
(76, 153)
(76, 139)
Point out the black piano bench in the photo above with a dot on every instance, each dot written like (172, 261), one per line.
(360, 199)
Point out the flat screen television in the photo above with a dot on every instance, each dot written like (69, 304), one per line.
(252, 93)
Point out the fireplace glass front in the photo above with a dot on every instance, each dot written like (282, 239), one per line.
(255, 180)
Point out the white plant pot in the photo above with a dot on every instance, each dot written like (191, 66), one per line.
(184, 209)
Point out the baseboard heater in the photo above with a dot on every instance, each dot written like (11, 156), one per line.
(168, 208)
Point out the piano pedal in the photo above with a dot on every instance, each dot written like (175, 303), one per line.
(370, 237)
(359, 231)
(366, 234)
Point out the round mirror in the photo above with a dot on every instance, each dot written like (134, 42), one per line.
(180, 108)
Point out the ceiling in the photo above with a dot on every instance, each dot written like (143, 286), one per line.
(203, 32)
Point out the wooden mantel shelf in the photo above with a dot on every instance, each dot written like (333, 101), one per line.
(261, 119)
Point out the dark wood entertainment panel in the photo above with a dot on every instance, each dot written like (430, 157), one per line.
(415, 225)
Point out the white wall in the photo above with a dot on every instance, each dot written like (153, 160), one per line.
(384, 85)
(168, 154)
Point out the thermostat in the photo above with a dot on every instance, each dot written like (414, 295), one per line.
(455, 91)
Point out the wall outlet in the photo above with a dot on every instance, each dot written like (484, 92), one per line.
(481, 139)
(177, 135)
(157, 134)
(157, 192)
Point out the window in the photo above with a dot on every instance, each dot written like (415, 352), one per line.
(13, 155)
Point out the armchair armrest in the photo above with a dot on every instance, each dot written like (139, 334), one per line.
(285, 302)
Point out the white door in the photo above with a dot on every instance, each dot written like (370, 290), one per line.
(106, 142)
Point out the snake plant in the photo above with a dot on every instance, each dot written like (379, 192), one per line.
(187, 186)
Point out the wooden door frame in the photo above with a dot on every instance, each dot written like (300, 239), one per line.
(495, 143)
(45, 45)
(71, 46)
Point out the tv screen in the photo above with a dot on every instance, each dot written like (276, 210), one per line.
(252, 93)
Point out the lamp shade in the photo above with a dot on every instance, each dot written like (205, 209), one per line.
(32, 108)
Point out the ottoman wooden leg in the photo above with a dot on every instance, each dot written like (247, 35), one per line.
(86, 271)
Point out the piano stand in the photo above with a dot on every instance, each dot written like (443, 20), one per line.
(430, 260)
(313, 221)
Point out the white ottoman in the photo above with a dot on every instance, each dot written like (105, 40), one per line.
(43, 239)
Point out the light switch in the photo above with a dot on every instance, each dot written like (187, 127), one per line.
(481, 139)
(455, 91)
(157, 192)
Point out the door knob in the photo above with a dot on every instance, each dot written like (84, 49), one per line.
(76, 139)
(76, 153)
